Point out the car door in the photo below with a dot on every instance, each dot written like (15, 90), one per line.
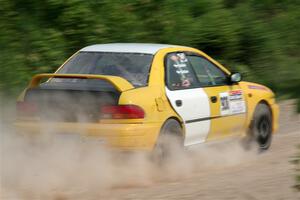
(187, 98)
(227, 101)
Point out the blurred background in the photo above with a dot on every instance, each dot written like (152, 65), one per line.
(259, 38)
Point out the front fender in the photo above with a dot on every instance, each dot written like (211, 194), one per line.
(255, 94)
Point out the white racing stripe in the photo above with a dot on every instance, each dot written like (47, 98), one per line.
(195, 111)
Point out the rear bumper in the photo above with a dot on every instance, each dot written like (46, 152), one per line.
(120, 136)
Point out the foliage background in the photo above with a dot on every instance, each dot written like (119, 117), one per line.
(260, 38)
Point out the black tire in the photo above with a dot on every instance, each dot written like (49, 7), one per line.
(261, 126)
(169, 139)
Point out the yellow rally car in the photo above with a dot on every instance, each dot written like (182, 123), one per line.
(132, 94)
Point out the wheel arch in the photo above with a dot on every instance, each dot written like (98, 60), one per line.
(265, 102)
(165, 121)
(176, 119)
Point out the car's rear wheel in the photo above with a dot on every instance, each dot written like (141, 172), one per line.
(261, 126)
(169, 141)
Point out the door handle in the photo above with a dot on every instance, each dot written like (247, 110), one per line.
(213, 99)
(178, 103)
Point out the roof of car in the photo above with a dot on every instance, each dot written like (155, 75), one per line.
(146, 48)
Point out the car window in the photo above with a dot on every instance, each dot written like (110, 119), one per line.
(207, 73)
(134, 67)
(180, 74)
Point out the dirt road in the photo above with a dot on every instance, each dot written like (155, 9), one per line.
(227, 172)
(268, 176)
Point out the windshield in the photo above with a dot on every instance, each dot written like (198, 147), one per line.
(134, 67)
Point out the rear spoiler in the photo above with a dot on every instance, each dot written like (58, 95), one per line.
(119, 83)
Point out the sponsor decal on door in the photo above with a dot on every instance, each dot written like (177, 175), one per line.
(232, 102)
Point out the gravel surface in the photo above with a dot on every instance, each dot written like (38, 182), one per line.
(269, 176)
(225, 174)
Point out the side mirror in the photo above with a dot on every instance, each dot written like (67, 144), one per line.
(235, 77)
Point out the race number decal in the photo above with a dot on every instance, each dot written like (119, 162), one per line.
(232, 102)
(225, 107)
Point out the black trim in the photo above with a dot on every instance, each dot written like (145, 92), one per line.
(210, 118)
(200, 119)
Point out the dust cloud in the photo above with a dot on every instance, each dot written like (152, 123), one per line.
(48, 165)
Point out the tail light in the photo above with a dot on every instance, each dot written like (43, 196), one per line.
(26, 109)
(122, 112)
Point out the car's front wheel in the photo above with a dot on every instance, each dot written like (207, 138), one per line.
(261, 126)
